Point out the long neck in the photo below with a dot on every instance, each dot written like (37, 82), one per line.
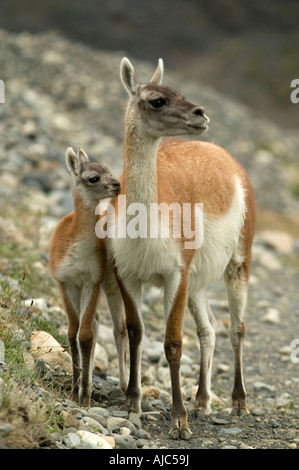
(84, 217)
(140, 164)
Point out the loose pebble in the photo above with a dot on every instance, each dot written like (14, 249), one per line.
(230, 431)
(125, 442)
(95, 439)
(264, 389)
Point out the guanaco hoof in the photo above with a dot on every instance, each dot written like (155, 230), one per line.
(183, 434)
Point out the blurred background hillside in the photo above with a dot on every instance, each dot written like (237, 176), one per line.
(245, 49)
(237, 58)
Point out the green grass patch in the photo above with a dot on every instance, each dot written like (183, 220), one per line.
(295, 189)
(28, 402)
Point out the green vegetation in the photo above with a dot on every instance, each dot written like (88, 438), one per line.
(28, 399)
(295, 188)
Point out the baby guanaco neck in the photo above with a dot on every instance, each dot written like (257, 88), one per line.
(84, 216)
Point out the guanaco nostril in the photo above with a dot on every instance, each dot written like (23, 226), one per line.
(199, 111)
(115, 184)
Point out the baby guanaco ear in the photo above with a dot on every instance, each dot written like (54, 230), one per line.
(129, 77)
(74, 162)
(82, 156)
(71, 160)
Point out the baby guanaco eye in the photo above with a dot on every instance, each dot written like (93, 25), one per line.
(158, 103)
(94, 179)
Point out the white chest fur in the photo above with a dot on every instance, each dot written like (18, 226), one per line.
(81, 264)
(149, 258)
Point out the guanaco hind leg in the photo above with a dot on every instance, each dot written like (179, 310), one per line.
(200, 310)
(236, 280)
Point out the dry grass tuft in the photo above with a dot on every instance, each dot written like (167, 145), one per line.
(27, 415)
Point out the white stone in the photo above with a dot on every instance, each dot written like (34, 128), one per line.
(286, 350)
(61, 122)
(280, 241)
(94, 439)
(52, 57)
(221, 368)
(125, 431)
(272, 316)
(44, 346)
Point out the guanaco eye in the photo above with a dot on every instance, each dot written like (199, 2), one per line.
(158, 103)
(94, 179)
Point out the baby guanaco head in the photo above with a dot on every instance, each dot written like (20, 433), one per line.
(92, 180)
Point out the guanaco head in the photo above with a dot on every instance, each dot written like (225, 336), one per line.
(92, 181)
(158, 109)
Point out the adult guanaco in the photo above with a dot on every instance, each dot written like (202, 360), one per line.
(183, 172)
(79, 263)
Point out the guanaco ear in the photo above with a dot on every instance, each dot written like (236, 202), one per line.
(71, 160)
(129, 77)
(158, 75)
(82, 156)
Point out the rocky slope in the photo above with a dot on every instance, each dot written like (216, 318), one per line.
(245, 49)
(60, 93)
